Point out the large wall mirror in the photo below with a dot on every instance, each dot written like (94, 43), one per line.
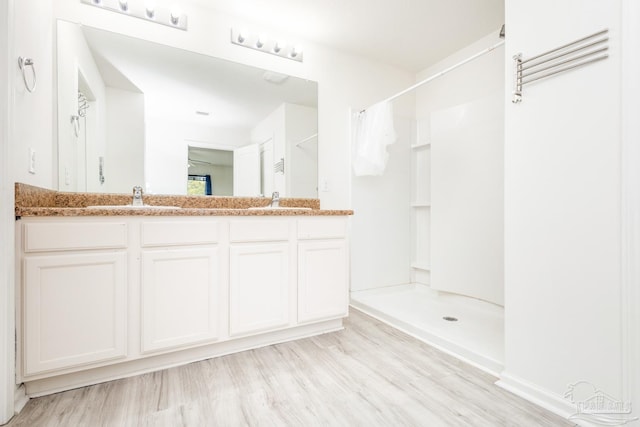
(133, 112)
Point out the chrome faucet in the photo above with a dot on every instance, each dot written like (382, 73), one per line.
(275, 199)
(137, 196)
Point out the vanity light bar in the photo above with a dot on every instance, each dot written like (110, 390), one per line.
(146, 10)
(267, 45)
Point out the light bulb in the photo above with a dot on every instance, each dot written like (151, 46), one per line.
(150, 8)
(242, 36)
(176, 12)
(295, 51)
(277, 47)
(262, 40)
(124, 5)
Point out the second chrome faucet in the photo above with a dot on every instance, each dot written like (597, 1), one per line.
(275, 199)
(137, 196)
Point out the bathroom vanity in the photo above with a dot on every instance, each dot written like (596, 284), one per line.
(109, 293)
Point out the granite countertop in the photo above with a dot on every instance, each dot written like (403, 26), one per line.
(35, 201)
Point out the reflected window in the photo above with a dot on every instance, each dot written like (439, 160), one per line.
(199, 185)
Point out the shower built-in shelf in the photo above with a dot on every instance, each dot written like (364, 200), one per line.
(420, 145)
(419, 266)
(420, 205)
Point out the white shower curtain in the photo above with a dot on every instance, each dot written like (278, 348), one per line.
(373, 132)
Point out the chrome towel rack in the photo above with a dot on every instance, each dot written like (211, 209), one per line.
(578, 53)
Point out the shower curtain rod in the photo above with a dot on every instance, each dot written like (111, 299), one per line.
(440, 73)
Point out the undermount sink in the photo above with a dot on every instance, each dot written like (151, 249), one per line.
(279, 208)
(132, 207)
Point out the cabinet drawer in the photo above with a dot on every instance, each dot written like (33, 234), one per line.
(174, 233)
(259, 231)
(322, 228)
(42, 237)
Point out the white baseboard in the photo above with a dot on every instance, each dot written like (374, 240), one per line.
(534, 394)
(123, 369)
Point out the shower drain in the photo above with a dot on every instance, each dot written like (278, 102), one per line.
(450, 318)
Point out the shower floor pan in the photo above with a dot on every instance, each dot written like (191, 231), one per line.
(473, 332)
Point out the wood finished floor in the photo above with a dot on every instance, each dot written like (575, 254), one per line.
(367, 375)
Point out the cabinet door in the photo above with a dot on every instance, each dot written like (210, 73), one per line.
(180, 297)
(259, 287)
(74, 310)
(323, 280)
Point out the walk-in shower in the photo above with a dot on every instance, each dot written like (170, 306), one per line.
(428, 232)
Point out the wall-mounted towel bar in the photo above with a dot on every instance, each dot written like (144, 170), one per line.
(572, 55)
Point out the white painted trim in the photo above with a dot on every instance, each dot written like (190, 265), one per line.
(535, 394)
(7, 247)
(630, 204)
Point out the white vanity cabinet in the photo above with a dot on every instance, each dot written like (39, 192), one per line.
(323, 269)
(101, 298)
(261, 276)
(182, 279)
(74, 295)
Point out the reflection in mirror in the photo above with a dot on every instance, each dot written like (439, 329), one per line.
(134, 112)
(210, 172)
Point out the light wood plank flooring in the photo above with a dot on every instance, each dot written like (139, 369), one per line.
(367, 375)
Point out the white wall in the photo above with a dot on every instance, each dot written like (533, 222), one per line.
(7, 320)
(631, 203)
(33, 112)
(27, 123)
(125, 140)
(462, 115)
(563, 209)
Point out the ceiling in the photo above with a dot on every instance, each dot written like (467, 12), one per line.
(410, 34)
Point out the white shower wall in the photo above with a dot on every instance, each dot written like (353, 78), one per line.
(387, 239)
(380, 228)
(467, 178)
(461, 115)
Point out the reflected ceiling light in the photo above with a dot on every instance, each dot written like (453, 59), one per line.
(265, 44)
(274, 77)
(150, 8)
(144, 9)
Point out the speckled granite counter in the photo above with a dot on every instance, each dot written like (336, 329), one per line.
(36, 201)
